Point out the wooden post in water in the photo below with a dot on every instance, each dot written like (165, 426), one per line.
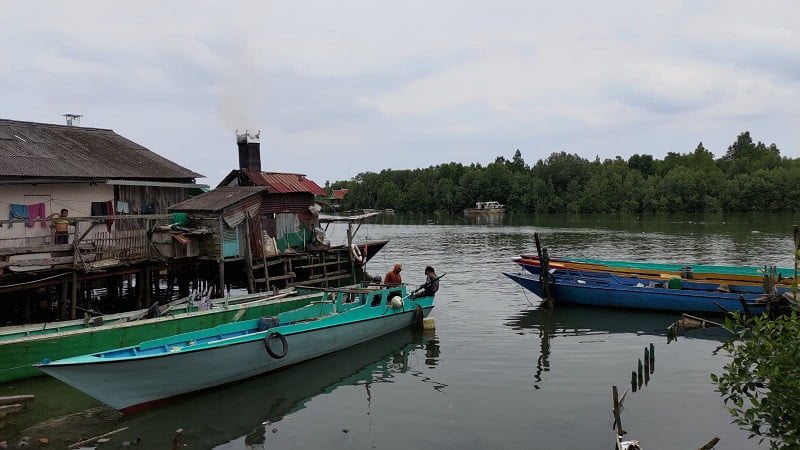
(640, 376)
(710, 444)
(617, 415)
(652, 358)
(544, 276)
(176, 439)
(646, 366)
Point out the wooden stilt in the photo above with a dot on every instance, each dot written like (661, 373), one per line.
(221, 260)
(64, 294)
(248, 257)
(74, 297)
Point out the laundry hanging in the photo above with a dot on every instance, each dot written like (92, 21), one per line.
(37, 211)
(17, 212)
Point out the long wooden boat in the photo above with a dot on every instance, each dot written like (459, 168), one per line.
(23, 346)
(711, 273)
(131, 377)
(609, 290)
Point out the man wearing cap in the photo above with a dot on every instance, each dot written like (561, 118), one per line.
(393, 277)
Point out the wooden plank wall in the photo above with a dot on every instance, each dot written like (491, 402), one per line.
(138, 196)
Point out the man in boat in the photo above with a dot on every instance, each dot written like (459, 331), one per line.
(431, 284)
(393, 277)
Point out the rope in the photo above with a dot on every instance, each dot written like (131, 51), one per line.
(34, 281)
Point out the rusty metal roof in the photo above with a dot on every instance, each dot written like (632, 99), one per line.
(284, 183)
(29, 149)
(218, 199)
(340, 193)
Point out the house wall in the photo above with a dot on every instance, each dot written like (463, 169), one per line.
(76, 197)
(137, 197)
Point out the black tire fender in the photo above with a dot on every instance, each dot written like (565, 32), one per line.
(268, 346)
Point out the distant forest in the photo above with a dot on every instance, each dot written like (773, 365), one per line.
(750, 177)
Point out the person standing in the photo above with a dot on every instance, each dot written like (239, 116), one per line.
(61, 226)
(393, 277)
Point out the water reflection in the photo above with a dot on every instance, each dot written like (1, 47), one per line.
(588, 323)
(249, 409)
(253, 406)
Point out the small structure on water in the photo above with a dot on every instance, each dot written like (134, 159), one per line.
(486, 208)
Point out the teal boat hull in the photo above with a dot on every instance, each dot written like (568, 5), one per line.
(133, 377)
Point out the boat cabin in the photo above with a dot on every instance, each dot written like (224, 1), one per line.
(345, 299)
(489, 205)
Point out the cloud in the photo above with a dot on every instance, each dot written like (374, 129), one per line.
(342, 87)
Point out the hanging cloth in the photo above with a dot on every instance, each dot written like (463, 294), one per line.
(104, 209)
(123, 207)
(110, 207)
(37, 211)
(17, 212)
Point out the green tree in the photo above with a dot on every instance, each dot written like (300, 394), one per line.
(761, 385)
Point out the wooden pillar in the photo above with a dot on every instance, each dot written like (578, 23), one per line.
(74, 314)
(350, 252)
(263, 237)
(248, 256)
(146, 286)
(64, 294)
(221, 260)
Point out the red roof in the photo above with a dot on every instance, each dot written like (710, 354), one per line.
(284, 183)
(340, 193)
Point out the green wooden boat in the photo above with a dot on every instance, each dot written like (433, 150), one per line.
(23, 346)
(731, 274)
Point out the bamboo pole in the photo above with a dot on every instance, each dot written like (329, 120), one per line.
(86, 441)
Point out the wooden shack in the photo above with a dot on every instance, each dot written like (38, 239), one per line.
(116, 193)
(264, 226)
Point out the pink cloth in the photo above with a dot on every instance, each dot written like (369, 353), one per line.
(36, 212)
(110, 222)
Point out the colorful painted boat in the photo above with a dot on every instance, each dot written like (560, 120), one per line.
(131, 377)
(23, 346)
(609, 290)
(711, 273)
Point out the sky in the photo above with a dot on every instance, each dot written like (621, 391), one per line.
(341, 87)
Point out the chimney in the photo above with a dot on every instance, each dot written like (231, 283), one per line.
(249, 150)
(73, 120)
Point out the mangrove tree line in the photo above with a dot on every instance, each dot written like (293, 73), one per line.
(748, 177)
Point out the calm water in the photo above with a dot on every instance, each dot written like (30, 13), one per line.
(497, 373)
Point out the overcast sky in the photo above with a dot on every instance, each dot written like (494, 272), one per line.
(342, 87)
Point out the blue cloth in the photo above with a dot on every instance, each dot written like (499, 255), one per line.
(17, 212)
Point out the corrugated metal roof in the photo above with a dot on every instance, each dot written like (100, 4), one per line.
(284, 183)
(340, 193)
(29, 149)
(217, 199)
